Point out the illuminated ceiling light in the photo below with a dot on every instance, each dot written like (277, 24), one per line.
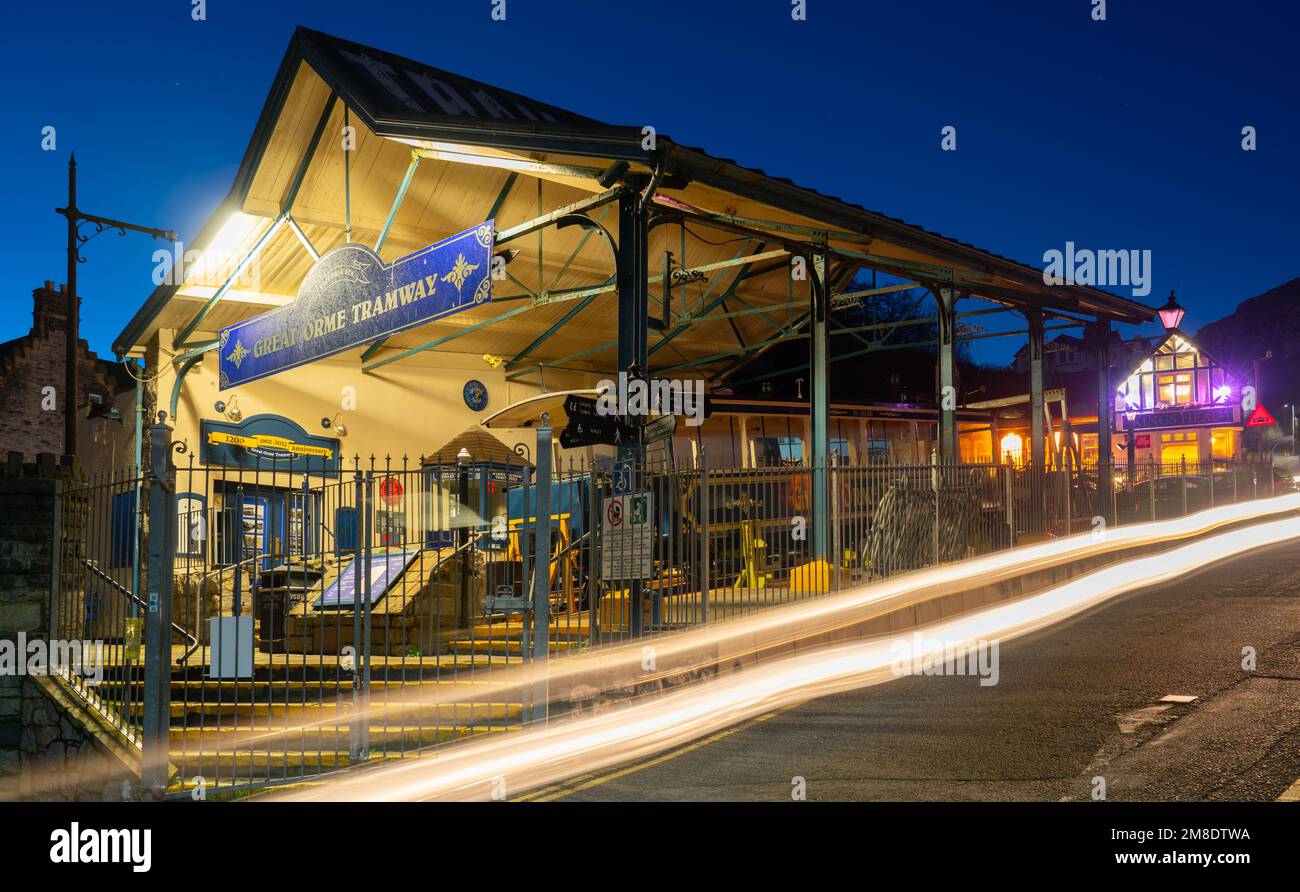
(1171, 314)
(219, 254)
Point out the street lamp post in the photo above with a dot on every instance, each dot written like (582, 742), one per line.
(75, 240)
(1130, 447)
(1259, 435)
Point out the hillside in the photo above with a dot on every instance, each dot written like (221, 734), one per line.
(1270, 321)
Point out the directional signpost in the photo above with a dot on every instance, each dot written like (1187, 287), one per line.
(587, 427)
(597, 431)
(661, 428)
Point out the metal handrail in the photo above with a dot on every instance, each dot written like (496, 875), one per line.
(194, 642)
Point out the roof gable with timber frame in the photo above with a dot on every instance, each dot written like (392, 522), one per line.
(1166, 345)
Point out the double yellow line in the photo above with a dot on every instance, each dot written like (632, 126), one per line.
(587, 781)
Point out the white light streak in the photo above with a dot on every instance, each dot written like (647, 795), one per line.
(546, 754)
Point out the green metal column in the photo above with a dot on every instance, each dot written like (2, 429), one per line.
(156, 720)
(633, 287)
(819, 401)
(946, 301)
(1105, 408)
(633, 335)
(1036, 446)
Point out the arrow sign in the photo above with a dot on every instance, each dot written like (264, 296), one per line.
(1260, 417)
(580, 405)
(661, 428)
(597, 430)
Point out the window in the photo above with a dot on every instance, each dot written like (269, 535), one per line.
(774, 451)
(191, 525)
(1223, 443)
(1088, 449)
(345, 530)
(1179, 446)
(123, 530)
(1175, 389)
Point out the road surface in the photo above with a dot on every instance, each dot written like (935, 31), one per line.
(1075, 702)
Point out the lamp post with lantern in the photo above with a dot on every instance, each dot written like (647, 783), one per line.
(1171, 314)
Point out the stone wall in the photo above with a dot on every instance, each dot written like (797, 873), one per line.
(50, 747)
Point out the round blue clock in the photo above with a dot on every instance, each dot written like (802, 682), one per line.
(476, 395)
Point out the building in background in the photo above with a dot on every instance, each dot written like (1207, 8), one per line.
(32, 381)
(1177, 404)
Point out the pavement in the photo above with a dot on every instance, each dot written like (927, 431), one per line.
(1080, 701)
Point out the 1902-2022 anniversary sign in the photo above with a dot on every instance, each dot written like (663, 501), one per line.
(351, 297)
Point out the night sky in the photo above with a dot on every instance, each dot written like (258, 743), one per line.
(1122, 134)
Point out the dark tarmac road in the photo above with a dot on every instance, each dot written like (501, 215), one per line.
(1075, 702)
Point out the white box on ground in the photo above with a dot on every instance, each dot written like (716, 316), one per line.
(232, 647)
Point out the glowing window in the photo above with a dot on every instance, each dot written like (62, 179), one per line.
(1174, 390)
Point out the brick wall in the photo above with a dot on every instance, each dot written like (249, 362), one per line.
(37, 361)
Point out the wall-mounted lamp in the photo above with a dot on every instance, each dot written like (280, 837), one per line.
(230, 409)
(493, 360)
(335, 425)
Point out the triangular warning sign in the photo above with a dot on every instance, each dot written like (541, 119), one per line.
(1260, 418)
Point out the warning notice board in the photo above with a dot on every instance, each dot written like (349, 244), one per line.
(627, 546)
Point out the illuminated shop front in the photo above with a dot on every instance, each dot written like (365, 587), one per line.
(1178, 405)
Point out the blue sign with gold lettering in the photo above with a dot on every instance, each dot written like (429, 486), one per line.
(351, 297)
(267, 441)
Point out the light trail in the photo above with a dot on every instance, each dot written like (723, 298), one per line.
(614, 668)
(492, 768)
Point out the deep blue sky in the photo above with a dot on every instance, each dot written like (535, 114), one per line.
(1115, 134)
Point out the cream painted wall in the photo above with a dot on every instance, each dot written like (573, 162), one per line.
(409, 408)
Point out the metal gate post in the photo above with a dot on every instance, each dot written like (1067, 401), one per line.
(358, 542)
(704, 544)
(541, 569)
(56, 560)
(369, 535)
(158, 617)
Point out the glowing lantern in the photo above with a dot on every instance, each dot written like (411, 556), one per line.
(1171, 313)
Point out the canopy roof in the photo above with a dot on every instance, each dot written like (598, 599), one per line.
(437, 153)
(483, 448)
